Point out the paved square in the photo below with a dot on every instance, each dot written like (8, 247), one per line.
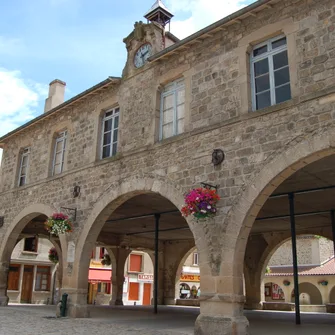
(39, 320)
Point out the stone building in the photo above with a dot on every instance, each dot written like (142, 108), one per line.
(258, 85)
(32, 277)
(316, 275)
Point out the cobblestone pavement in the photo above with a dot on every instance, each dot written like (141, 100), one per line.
(39, 320)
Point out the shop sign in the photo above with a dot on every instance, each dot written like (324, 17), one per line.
(144, 277)
(195, 278)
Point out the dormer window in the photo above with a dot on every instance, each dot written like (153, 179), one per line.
(59, 153)
(24, 164)
(110, 128)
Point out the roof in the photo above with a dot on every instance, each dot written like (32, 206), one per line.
(252, 9)
(158, 4)
(102, 84)
(326, 268)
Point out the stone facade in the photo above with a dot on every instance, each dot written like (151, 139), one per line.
(261, 148)
(310, 250)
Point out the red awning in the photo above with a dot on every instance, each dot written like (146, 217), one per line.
(99, 275)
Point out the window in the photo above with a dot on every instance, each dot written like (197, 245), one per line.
(135, 263)
(59, 153)
(13, 277)
(24, 163)
(270, 73)
(110, 127)
(102, 252)
(30, 244)
(195, 258)
(42, 282)
(172, 109)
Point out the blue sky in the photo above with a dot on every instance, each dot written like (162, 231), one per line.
(77, 41)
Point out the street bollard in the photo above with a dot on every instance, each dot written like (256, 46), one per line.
(63, 304)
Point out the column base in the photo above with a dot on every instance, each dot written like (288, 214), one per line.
(4, 300)
(221, 325)
(117, 302)
(77, 311)
(169, 301)
(254, 306)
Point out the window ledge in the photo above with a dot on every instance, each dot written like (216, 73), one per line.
(33, 253)
(171, 139)
(274, 108)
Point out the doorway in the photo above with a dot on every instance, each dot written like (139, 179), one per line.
(27, 284)
(146, 294)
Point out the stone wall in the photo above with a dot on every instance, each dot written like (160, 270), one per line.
(310, 250)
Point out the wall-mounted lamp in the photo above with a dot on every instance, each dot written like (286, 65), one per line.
(217, 156)
(76, 191)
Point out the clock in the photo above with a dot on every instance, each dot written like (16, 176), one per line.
(142, 54)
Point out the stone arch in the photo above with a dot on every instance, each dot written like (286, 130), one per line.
(17, 225)
(314, 294)
(112, 198)
(332, 295)
(279, 167)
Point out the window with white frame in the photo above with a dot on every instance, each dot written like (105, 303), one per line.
(110, 127)
(24, 163)
(42, 280)
(59, 153)
(195, 258)
(270, 73)
(172, 109)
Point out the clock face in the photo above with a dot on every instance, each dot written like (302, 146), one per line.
(142, 54)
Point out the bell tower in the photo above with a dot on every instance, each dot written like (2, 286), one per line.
(148, 39)
(160, 14)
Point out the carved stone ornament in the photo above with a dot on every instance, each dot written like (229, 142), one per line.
(218, 156)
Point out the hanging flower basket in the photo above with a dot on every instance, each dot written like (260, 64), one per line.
(53, 256)
(201, 203)
(323, 282)
(286, 283)
(106, 260)
(58, 223)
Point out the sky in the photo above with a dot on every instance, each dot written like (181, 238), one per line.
(79, 42)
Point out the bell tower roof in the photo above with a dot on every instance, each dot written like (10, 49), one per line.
(159, 13)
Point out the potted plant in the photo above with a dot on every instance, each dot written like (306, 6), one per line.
(53, 256)
(286, 283)
(58, 223)
(201, 203)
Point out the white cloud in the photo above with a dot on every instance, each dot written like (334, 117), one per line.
(19, 99)
(200, 13)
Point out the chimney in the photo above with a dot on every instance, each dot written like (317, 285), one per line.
(56, 95)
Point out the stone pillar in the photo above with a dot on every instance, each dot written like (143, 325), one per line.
(4, 267)
(174, 254)
(221, 306)
(77, 302)
(221, 282)
(120, 257)
(253, 289)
